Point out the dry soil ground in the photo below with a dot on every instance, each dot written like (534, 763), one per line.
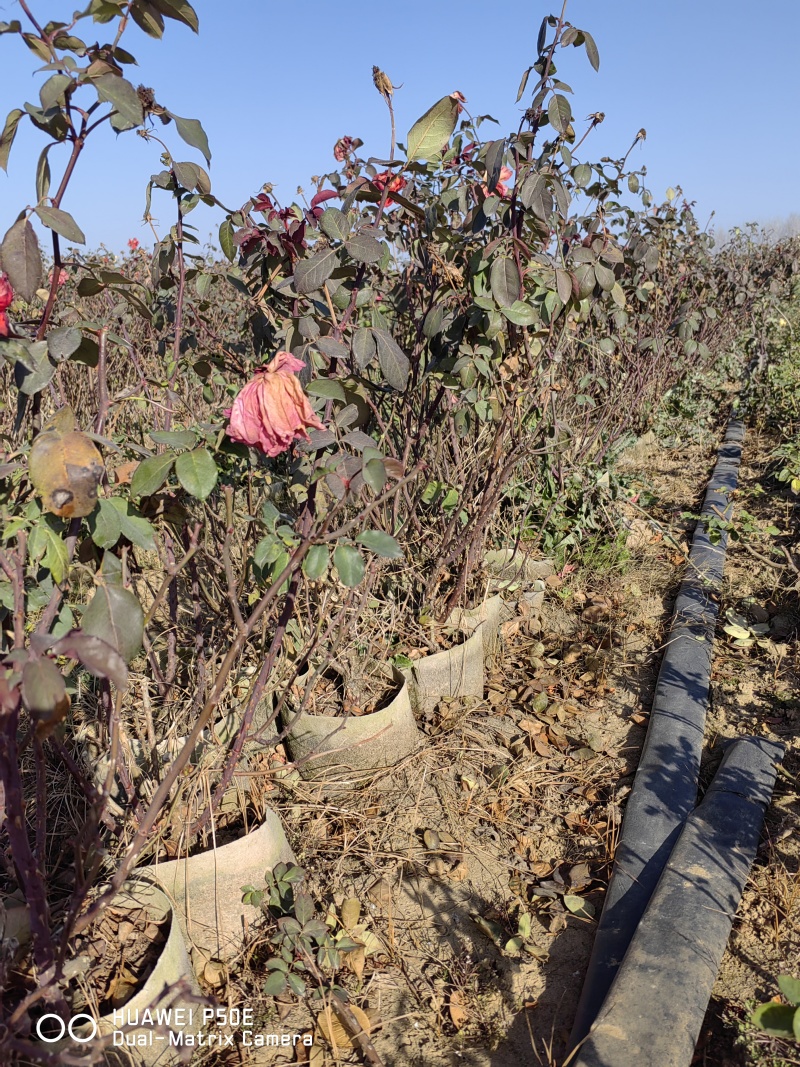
(511, 812)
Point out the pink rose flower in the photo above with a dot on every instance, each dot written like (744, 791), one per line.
(6, 300)
(62, 277)
(272, 411)
(501, 189)
(133, 244)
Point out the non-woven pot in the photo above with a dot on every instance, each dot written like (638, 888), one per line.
(491, 613)
(513, 567)
(514, 572)
(356, 742)
(455, 672)
(135, 1038)
(206, 889)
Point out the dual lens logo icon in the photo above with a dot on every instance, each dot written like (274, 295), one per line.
(72, 1028)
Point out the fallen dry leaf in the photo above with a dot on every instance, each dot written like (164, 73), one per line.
(124, 472)
(459, 1015)
(541, 868)
(596, 613)
(459, 872)
(356, 960)
(380, 892)
(214, 974)
(334, 1033)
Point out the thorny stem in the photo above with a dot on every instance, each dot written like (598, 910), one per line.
(148, 819)
(172, 573)
(14, 570)
(176, 345)
(123, 22)
(102, 382)
(254, 699)
(31, 878)
(172, 604)
(29, 13)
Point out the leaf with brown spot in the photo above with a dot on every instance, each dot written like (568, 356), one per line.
(65, 467)
(124, 472)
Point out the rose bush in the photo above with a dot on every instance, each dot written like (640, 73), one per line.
(338, 413)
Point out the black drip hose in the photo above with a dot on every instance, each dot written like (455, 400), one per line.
(665, 788)
(655, 1008)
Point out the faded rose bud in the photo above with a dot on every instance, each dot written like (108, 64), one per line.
(341, 150)
(383, 83)
(345, 147)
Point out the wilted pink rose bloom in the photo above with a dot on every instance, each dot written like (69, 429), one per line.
(501, 189)
(62, 277)
(272, 411)
(345, 147)
(6, 300)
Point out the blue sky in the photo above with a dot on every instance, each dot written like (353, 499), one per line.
(715, 84)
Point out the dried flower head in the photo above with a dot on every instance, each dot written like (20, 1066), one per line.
(272, 411)
(345, 147)
(383, 83)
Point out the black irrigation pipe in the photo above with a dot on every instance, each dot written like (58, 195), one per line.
(655, 1009)
(665, 788)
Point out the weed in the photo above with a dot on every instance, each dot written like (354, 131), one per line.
(777, 1019)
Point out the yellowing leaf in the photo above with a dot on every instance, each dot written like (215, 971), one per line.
(65, 468)
(430, 133)
(583, 909)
